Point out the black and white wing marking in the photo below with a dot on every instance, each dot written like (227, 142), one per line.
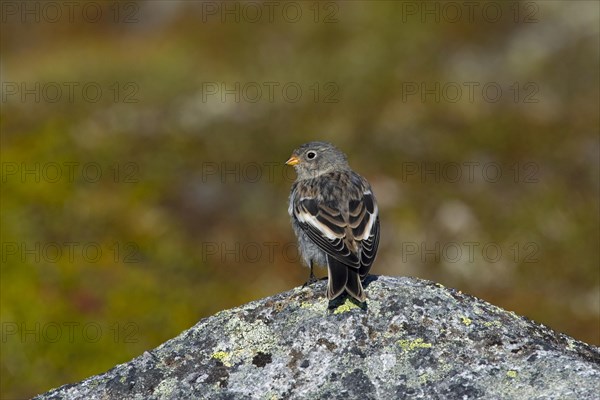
(364, 222)
(351, 239)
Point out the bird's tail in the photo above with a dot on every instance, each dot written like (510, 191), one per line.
(342, 277)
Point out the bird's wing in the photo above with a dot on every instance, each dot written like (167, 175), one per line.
(351, 240)
(364, 222)
(327, 228)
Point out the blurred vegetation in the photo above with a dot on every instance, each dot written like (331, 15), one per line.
(186, 177)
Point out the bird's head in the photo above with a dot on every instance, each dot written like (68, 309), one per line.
(316, 158)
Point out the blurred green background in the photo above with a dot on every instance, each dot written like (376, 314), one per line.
(143, 185)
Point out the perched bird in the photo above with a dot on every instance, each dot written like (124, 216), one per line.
(334, 216)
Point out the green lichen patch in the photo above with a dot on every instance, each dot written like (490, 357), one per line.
(222, 356)
(489, 324)
(345, 307)
(408, 345)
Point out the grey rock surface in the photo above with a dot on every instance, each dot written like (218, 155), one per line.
(414, 340)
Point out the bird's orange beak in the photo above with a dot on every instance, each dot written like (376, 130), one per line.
(292, 161)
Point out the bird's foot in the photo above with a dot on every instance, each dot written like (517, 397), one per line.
(311, 279)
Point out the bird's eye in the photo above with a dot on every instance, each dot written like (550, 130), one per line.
(311, 154)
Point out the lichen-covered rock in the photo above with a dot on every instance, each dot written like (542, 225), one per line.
(414, 339)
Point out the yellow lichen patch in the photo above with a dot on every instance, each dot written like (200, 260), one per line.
(306, 304)
(347, 306)
(222, 356)
(318, 305)
(408, 345)
(492, 323)
(511, 373)
(466, 320)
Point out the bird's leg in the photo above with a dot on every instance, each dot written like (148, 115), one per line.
(311, 278)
